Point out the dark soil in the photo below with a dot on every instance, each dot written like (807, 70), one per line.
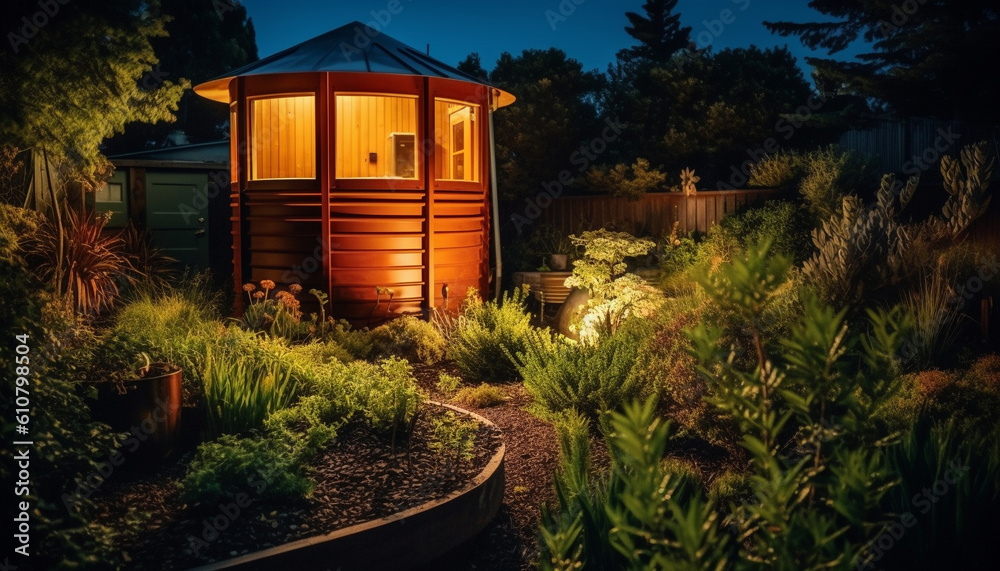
(358, 479)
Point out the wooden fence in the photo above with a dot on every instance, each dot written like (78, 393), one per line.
(652, 215)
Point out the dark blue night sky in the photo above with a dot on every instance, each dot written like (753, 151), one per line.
(590, 31)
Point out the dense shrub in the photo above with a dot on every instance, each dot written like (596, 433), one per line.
(666, 365)
(590, 378)
(489, 334)
(386, 394)
(260, 467)
(822, 176)
(70, 448)
(785, 224)
(965, 400)
(409, 338)
(482, 396)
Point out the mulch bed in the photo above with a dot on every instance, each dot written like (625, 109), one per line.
(358, 479)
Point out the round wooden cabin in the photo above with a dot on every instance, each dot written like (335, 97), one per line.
(357, 163)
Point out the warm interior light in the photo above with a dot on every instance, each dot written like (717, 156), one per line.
(376, 137)
(283, 137)
(457, 140)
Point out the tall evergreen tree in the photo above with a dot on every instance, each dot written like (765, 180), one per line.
(659, 32)
(934, 58)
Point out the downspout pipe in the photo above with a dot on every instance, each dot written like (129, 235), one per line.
(495, 198)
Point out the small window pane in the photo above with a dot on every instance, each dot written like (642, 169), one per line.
(456, 141)
(283, 137)
(110, 192)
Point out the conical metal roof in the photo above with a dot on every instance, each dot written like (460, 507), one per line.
(352, 47)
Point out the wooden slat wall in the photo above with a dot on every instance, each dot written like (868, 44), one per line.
(364, 123)
(284, 137)
(653, 214)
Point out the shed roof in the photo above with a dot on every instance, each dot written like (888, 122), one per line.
(198, 155)
(354, 47)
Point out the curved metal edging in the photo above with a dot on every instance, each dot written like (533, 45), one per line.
(400, 541)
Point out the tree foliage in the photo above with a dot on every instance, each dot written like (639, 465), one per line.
(555, 113)
(659, 32)
(206, 40)
(927, 57)
(77, 79)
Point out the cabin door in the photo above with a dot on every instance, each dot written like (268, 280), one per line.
(177, 216)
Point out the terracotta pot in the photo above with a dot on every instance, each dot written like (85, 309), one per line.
(149, 409)
(553, 287)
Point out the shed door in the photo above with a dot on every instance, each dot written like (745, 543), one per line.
(177, 215)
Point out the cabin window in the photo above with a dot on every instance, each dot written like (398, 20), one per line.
(376, 136)
(457, 140)
(111, 198)
(283, 137)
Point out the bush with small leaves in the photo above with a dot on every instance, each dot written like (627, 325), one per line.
(590, 378)
(453, 437)
(483, 396)
(265, 467)
(448, 384)
(489, 334)
(409, 338)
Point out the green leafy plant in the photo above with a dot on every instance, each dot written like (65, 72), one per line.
(262, 467)
(942, 513)
(489, 334)
(646, 514)
(590, 378)
(816, 505)
(409, 338)
(615, 294)
(448, 384)
(452, 437)
(482, 396)
(243, 388)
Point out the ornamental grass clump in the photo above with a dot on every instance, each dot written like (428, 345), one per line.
(246, 380)
(489, 334)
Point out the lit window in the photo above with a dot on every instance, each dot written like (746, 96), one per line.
(457, 139)
(110, 192)
(283, 137)
(376, 137)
